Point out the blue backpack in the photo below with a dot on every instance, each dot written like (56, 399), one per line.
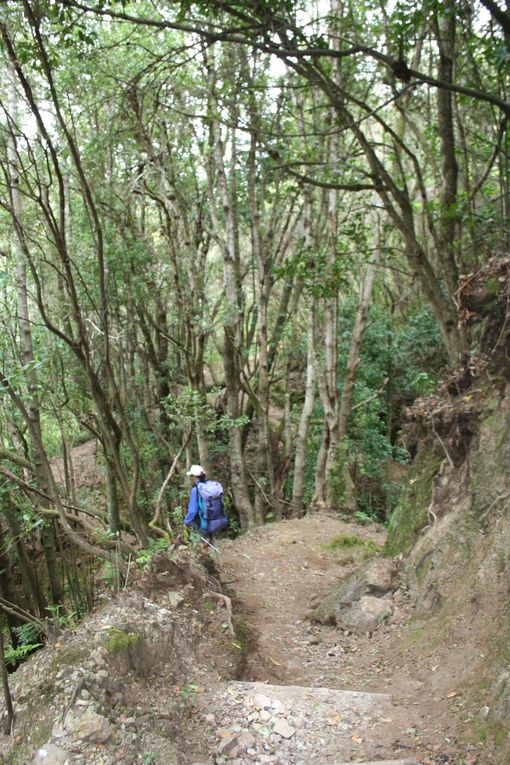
(211, 506)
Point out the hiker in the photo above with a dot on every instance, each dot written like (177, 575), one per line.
(206, 511)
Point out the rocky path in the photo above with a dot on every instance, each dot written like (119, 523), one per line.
(299, 725)
(302, 700)
(293, 706)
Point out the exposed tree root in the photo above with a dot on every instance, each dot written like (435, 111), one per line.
(222, 600)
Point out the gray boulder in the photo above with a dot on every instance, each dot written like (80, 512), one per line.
(91, 727)
(50, 754)
(500, 708)
(364, 615)
(355, 603)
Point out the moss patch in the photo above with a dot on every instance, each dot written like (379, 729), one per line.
(410, 515)
(120, 640)
(242, 633)
(352, 542)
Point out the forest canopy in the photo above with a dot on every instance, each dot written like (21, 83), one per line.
(233, 234)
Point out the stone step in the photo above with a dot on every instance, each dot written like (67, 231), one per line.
(382, 762)
(319, 726)
(303, 695)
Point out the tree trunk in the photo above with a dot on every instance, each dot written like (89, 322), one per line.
(449, 221)
(5, 683)
(7, 586)
(341, 488)
(33, 408)
(112, 496)
(263, 461)
(232, 319)
(305, 419)
(34, 596)
(328, 375)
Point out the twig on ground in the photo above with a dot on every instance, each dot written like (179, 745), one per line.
(81, 685)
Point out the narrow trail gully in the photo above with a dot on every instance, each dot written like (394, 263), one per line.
(312, 693)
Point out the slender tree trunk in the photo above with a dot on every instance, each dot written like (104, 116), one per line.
(7, 586)
(34, 595)
(5, 683)
(319, 497)
(305, 419)
(232, 320)
(449, 222)
(33, 407)
(328, 375)
(343, 488)
(263, 462)
(353, 359)
(112, 496)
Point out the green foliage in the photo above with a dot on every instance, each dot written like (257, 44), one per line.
(424, 384)
(398, 362)
(29, 640)
(15, 655)
(150, 758)
(155, 546)
(225, 422)
(188, 691)
(61, 617)
(27, 633)
(362, 518)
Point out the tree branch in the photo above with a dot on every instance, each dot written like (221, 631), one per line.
(288, 50)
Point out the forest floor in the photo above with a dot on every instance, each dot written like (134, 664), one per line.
(277, 574)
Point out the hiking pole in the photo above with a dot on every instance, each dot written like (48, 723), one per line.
(210, 545)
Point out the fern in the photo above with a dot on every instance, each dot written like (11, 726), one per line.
(27, 634)
(15, 655)
(155, 546)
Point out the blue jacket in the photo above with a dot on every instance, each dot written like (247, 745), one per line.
(192, 516)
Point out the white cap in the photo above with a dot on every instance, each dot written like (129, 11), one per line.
(196, 470)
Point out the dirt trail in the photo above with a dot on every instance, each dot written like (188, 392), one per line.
(278, 573)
